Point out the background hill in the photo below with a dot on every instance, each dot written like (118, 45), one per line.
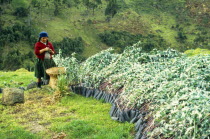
(89, 26)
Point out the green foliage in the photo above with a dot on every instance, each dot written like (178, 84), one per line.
(16, 33)
(123, 39)
(20, 3)
(93, 66)
(176, 87)
(72, 68)
(14, 59)
(92, 4)
(119, 39)
(202, 38)
(70, 3)
(181, 37)
(197, 51)
(111, 8)
(12, 56)
(21, 12)
(62, 85)
(69, 46)
(58, 7)
(5, 1)
(190, 17)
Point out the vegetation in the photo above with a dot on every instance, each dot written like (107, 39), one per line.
(41, 116)
(198, 51)
(173, 86)
(149, 69)
(120, 40)
(179, 24)
(18, 78)
(111, 8)
(69, 46)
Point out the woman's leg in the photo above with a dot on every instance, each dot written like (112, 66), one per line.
(39, 82)
(39, 72)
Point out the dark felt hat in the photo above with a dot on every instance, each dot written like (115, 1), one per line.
(43, 34)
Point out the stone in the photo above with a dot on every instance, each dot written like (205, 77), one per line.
(31, 85)
(11, 96)
(54, 72)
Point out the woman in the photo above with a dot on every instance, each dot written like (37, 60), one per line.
(43, 50)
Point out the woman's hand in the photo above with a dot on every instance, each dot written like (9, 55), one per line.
(51, 51)
(47, 49)
(44, 50)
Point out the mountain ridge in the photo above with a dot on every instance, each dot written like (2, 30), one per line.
(181, 25)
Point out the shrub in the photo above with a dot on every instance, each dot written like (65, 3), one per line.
(123, 39)
(69, 46)
(72, 67)
(21, 12)
(197, 51)
(176, 87)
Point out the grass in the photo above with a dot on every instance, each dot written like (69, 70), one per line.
(198, 51)
(72, 24)
(72, 117)
(18, 78)
(140, 17)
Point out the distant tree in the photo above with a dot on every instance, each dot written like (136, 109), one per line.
(14, 59)
(21, 7)
(68, 3)
(21, 12)
(35, 3)
(58, 7)
(68, 45)
(122, 39)
(1, 11)
(71, 3)
(20, 3)
(92, 4)
(111, 8)
(40, 8)
(181, 37)
(77, 2)
(1, 24)
(5, 1)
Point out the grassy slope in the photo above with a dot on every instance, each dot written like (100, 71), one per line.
(135, 19)
(197, 51)
(158, 21)
(72, 24)
(41, 116)
(16, 79)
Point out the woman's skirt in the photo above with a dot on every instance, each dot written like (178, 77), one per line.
(41, 66)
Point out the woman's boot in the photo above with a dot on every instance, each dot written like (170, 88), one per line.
(39, 84)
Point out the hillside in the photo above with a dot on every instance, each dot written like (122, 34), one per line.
(89, 26)
(167, 91)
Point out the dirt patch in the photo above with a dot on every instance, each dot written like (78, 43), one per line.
(39, 109)
(59, 135)
(35, 127)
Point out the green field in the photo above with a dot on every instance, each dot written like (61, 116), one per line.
(41, 117)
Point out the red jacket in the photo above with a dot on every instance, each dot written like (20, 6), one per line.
(39, 46)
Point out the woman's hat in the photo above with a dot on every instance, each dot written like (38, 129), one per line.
(43, 34)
